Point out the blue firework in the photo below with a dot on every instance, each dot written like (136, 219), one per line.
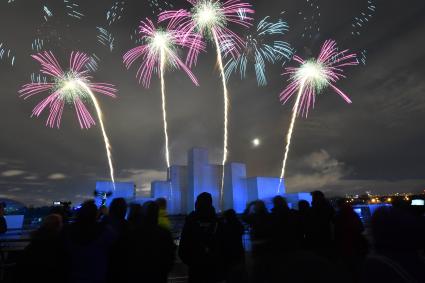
(262, 46)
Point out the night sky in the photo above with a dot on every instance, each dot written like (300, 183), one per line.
(376, 144)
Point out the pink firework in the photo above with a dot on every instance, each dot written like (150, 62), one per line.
(311, 78)
(161, 45)
(315, 75)
(210, 18)
(73, 86)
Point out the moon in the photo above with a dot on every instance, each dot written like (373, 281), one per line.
(256, 142)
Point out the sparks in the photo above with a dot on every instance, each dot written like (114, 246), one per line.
(115, 13)
(210, 19)
(69, 87)
(7, 54)
(311, 78)
(71, 9)
(156, 7)
(105, 38)
(159, 50)
(363, 18)
(261, 46)
(37, 45)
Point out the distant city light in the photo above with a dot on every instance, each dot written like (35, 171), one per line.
(418, 202)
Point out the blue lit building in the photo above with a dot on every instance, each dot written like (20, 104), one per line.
(184, 183)
(105, 191)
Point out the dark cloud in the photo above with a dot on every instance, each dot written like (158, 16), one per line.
(374, 144)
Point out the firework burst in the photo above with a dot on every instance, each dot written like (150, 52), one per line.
(311, 78)
(261, 46)
(210, 19)
(159, 51)
(69, 87)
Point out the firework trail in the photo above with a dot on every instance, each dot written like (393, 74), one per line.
(69, 87)
(261, 46)
(311, 78)
(164, 107)
(7, 54)
(105, 38)
(158, 50)
(210, 18)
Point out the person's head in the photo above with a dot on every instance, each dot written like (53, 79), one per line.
(162, 203)
(135, 214)
(150, 213)
(318, 198)
(260, 207)
(303, 205)
(118, 208)
(279, 202)
(87, 214)
(203, 202)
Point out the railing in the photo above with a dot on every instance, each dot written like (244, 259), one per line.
(8, 246)
(182, 279)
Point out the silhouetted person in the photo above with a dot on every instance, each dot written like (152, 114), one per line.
(135, 216)
(199, 248)
(351, 246)
(146, 254)
(3, 223)
(322, 214)
(116, 218)
(87, 244)
(398, 238)
(304, 224)
(230, 233)
(163, 219)
(42, 260)
(260, 222)
(284, 226)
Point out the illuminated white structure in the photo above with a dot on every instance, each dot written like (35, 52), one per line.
(184, 183)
